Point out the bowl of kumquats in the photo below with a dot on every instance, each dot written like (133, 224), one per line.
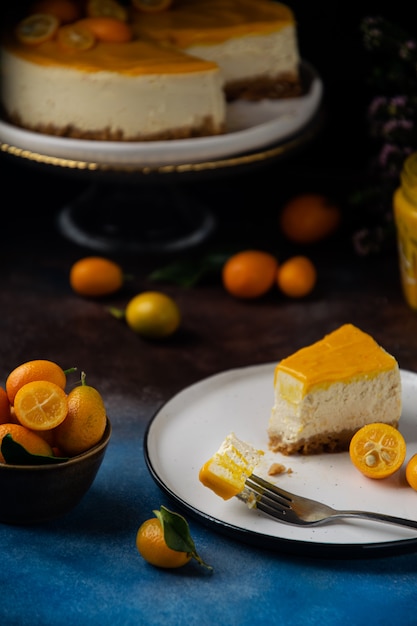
(53, 437)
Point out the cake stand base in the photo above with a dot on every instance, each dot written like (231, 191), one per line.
(136, 219)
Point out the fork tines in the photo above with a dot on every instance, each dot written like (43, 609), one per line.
(266, 497)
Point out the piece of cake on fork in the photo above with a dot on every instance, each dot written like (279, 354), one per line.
(226, 471)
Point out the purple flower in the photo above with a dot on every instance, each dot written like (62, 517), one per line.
(377, 104)
(398, 101)
(406, 50)
(395, 126)
(392, 117)
(387, 154)
(390, 160)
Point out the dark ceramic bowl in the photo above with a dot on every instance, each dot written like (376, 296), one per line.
(37, 493)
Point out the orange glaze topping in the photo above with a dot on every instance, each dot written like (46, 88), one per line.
(135, 57)
(342, 355)
(189, 22)
(224, 486)
(186, 23)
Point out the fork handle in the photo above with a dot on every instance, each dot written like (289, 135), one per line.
(378, 517)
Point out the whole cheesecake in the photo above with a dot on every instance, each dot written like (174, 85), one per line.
(326, 391)
(171, 80)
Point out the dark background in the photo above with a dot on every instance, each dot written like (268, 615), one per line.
(330, 39)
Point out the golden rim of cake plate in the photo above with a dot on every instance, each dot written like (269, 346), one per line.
(230, 162)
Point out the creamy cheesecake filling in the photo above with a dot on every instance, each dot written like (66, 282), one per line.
(252, 56)
(256, 60)
(328, 417)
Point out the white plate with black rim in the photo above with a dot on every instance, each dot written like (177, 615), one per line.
(190, 427)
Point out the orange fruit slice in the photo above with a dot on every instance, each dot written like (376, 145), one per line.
(41, 405)
(377, 450)
(106, 8)
(108, 29)
(37, 28)
(152, 6)
(38, 369)
(32, 442)
(75, 37)
(249, 274)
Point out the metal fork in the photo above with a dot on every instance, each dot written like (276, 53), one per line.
(292, 509)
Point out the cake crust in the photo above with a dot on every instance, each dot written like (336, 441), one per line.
(318, 444)
(207, 127)
(283, 86)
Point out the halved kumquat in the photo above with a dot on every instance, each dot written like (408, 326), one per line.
(74, 37)
(377, 450)
(106, 8)
(41, 405)
(37, 28)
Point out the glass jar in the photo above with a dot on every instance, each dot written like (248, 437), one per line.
(405, 215)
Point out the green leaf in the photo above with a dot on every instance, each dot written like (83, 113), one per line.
(189, 273)
(177, 534)
(16, 454)
(116, 312)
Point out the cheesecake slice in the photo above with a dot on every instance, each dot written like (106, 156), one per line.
(326, 391)
(226, 471)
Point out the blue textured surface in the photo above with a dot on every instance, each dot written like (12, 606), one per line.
(84, 568)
